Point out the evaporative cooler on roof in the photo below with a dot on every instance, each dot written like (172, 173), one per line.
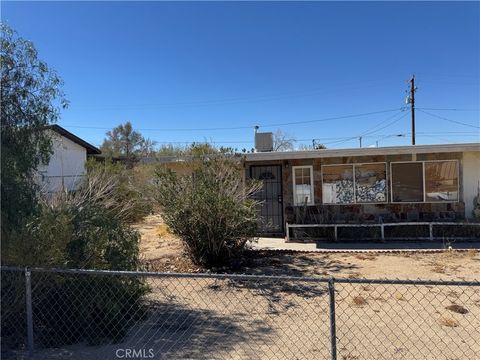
(263, 141)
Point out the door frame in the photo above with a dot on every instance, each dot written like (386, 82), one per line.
(282, 229)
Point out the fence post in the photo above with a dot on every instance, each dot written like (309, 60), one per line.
(333, 331)
(28, 296)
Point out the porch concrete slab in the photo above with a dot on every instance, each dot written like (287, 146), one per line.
(328, 246)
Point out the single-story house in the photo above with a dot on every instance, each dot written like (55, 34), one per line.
(379, 185)
(66, 167)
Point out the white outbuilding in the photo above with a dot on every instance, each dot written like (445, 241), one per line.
(66, 167)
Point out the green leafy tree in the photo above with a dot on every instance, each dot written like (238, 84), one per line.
(85, 229)
(31, 99)
(124, 141)
(201, 148)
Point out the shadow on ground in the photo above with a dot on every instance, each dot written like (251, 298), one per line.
(258, 262)
(398, 245)
(171, 331)
(286, 293)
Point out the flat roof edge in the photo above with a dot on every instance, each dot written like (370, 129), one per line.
(392, 150)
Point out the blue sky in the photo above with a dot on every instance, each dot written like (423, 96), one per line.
(180, 65)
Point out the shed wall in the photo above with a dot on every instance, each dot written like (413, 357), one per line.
(65, 168)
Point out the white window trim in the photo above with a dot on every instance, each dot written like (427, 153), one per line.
(310, 167)
(424, 190)
(354, 183)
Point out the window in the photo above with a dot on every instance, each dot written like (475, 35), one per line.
(427, 181)
(370, 183)
(302, 185)
(337, 185)
(407, 182)
(340, 186)
(441, 181)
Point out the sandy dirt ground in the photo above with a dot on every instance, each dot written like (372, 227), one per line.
(261, 318)
(205, 318)
(165, 253)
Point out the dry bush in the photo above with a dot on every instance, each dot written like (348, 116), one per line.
(448, 322)
(130, 187)
(99, 187)
(85, 229)
(366, 256)
(459, 309)
(359, 300)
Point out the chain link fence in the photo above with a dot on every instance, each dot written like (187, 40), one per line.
(84, 314)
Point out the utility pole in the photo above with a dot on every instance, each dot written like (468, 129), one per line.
(360, 139)
(412, 102)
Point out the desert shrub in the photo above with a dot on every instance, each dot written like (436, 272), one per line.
(87, 230)
(211, 210)
(88, 308)
(131, 186)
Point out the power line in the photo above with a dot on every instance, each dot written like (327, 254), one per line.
(380, 137)
(443, 109)
(450, 120)
(383, 127)
(243, 127)
(368, 132)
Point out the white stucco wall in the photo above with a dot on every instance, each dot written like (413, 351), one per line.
(471, 179)
(66, 166)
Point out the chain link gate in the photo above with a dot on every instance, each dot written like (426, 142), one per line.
(90, 314)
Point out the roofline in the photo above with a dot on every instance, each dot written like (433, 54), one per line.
(390, 150)
(91, 150)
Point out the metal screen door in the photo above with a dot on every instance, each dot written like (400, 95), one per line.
(271, 209)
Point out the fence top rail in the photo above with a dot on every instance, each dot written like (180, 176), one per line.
(419, 223)
(246, 277)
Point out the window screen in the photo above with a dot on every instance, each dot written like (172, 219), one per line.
(303, 185)
(441, 181)
(337, 186)
(407, 182)
(370, 183)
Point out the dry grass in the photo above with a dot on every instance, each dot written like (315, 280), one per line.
(448, 322)
(439, 268)
(359, 301)
(472, 253)
(366, 256)
(162, 230)
(350, 357)
(459, 309)
(453, 293)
